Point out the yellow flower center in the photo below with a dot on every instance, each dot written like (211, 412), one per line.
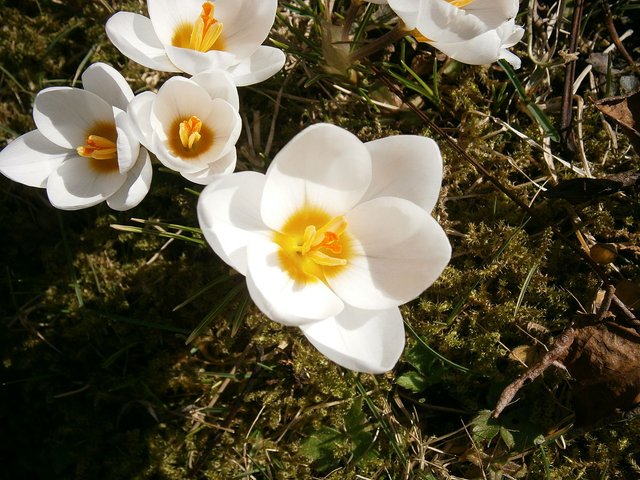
(190, 132)
(101, 148)
(188, 138)
(313, 246)
(202, 35)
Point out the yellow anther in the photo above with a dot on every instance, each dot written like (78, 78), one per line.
(206, 30)
(99, 148)
(326, 260)
(326, 238)
(460, 3)
(190, 132)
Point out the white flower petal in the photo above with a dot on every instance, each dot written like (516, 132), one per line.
(106, 82)
(223, 166)
(246, 23)
(399, 251)
(481, 50)
(407, 10)
(440, 21)
(264, 63)
(493, 12)
(136, 186)
(167, 15)
(127, 142)
(65, 115)
(406, 166)
(135, 37)
(139, 111)
(280, 297)
(180, 98)
(511, 57)
(75, 184)
(324, 166)
(31, 158)
(226, 124)
(229, 216)
(510, 33)
(369, 341)
(219, 84)
(193, 61)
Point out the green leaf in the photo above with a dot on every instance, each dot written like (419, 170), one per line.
(357, 427)
(484, 428)
(413, 381)
(320, 448)
(507, 438)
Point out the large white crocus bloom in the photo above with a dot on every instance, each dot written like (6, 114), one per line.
(192, 36)
(334, 238)
(476, 32)
(84, 150)
(191, 125)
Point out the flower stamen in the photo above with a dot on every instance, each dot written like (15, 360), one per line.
(206, 29)
(190, 132)
(98, 148)
(460, 3)
(325, 238)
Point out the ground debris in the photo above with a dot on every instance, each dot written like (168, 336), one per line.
(601, 355)
(625, 110)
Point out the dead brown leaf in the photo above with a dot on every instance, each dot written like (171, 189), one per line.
(624, 110)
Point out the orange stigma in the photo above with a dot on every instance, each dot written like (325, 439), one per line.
(206, 29)
(98, 148)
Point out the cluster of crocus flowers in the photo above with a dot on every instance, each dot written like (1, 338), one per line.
(334, 238)
(84, 150)
(476, 32)
(191, 36)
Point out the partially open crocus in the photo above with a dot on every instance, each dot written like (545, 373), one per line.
(192, 36)
(191, 125)
(476, 32)
(334, 238)
(84, 150)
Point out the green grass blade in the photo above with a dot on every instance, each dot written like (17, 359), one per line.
(214, 313)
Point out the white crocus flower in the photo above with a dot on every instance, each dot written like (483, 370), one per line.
(84, 150)
(476, 32)
(191, 125)
(191, 36)
(334, 238)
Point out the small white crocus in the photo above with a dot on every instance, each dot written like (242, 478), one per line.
(84, 150)
(476, 32)
(191, 36)
(334, 238)
(191, 125)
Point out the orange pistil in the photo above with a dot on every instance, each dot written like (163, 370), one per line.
(206, 29)
(309, 253)
(330, 242)
(325, 238)
(98, 148)
(190, 132)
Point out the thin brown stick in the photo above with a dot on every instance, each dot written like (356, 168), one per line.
(559, 350)
(631, 318)
(609, 292)
(566, 119)
(616, 38)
